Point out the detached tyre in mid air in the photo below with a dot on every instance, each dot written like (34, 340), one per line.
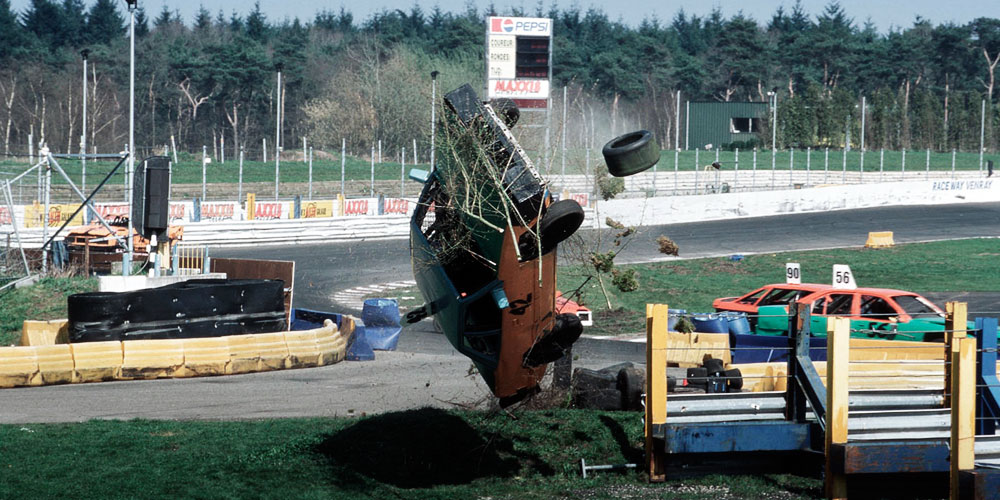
(631, 153)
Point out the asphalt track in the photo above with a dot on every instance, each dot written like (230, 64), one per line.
(426, 371)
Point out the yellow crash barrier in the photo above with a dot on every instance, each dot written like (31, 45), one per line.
(18, 366)
(879, 239)
(147, 359)
(273, 351)
(45, 332)
(96, 361)
(207, 356)
(332, 345)
(244, 355)
(55, 364)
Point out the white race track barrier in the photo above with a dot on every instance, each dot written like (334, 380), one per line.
(629, 211)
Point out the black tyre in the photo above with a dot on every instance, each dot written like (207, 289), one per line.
(565, 331)
(671, 384)
(697, 378)
(734, 380)
(631, 382)
(714, 366)
(559, 222)
(631, 153)
(506, 110)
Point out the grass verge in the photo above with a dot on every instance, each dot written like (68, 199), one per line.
(962, 265)
(424, 453)
(44, 300)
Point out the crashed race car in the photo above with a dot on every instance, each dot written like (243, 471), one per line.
(483, 244)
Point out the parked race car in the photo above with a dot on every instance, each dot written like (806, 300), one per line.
(767, 295)
(874, 312)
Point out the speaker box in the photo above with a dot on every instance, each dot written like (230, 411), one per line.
(151, 198)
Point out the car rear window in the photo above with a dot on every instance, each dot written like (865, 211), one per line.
(752, 298)
(915, 306)
(779, 297)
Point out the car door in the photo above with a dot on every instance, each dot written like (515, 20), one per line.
(876, 318)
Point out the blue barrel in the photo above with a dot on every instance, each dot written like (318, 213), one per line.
(673, 316)
(738, 323)
(710, 323)
(381, 318)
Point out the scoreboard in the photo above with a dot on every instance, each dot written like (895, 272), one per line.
(519, 59)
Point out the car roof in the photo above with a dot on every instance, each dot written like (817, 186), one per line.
(866, 290)
(803, 286)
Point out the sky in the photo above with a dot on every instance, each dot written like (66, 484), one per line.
(885, 14)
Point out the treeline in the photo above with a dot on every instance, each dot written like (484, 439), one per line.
(369, 80)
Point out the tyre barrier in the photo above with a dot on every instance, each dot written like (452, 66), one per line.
(194, 308)
(22, 366)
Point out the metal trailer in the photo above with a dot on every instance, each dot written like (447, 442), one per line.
(889, 431)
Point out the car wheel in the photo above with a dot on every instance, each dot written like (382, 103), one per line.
(734, 380)
(560, 220)
(631, 153)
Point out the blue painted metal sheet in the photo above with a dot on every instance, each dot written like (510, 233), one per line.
(890, 456)
(735, 436)
(987, 384)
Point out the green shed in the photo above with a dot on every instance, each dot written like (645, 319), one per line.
(722, 123)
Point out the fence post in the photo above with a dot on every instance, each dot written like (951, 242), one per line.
(264, 150)
(753, 176)
(239, 189)
(862, 178)
(837, 365)
(808, 162)
(791, 166)
(955, 324)
(310, 169)
(373, 169)
(902, 169)
(173, 147)
(736, 168)
(402, 171)
(881, 164)
(656, 385)
(677, 154)
(697, 169)
(343, 159)
(952, 164)
(774, 157)
(963, 408)
(928, 174)
(862, 164)
(204, 170)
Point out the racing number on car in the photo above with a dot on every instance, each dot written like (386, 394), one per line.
(842, 277)
(793, 273)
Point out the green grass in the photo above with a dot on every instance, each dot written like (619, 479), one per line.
(964, 265)
(44, 300)
(425, 453)
(189, 171)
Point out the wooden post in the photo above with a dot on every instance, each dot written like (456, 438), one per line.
(955, 324)
(656, 384)
(837, 363)
(963, 408)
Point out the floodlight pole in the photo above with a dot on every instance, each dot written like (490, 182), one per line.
(83, 138)
(277, 135)
(130, 172)
(434, 75)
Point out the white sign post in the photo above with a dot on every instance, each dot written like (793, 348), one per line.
(793, 274)
(843, 278)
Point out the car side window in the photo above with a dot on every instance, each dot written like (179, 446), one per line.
(752, 298)
(817, 306)
(873, 307)
(840, 304)
(778, 297)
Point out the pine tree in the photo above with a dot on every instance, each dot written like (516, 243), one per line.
(74, 23)
(104, 22)
(257, 28)
(12, 36)
(164, 19)
(44, 19)
(141, 23)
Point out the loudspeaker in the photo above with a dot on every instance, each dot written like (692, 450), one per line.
(151, 196)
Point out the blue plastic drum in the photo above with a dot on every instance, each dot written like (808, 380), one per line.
(738, 323)
(710, 323)
(381, 318)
